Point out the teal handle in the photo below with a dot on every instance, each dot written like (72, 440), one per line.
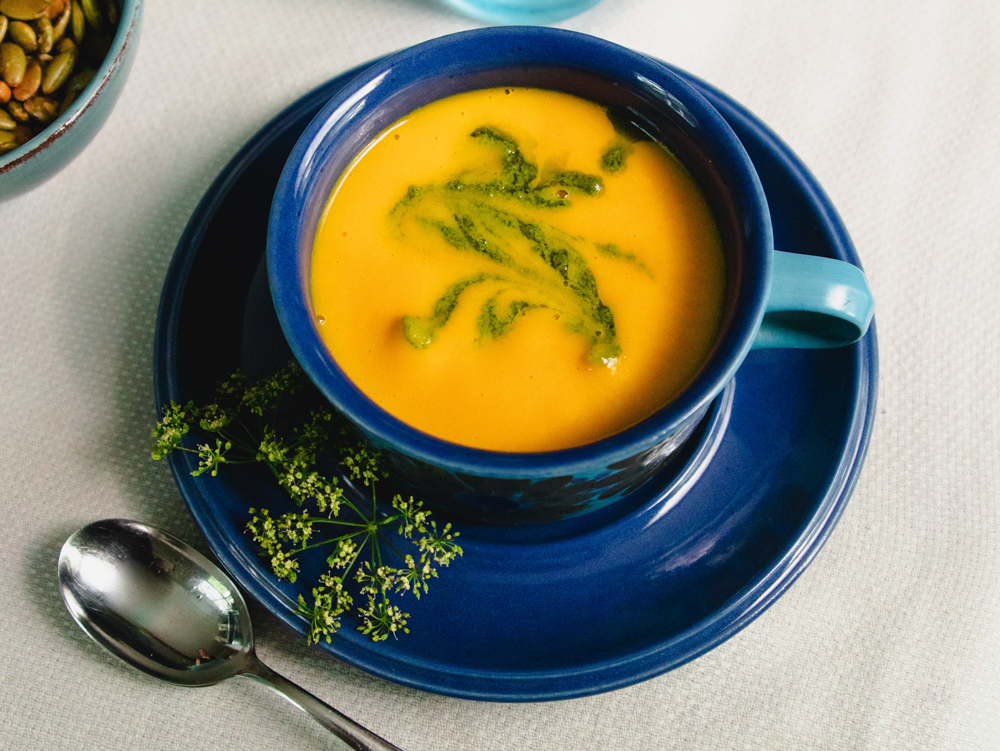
(814, 303)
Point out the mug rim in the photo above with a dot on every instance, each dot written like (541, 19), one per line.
(289, 277)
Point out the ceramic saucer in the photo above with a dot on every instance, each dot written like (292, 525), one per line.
(562, 610)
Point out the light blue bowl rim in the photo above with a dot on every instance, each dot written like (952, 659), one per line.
(521, 13)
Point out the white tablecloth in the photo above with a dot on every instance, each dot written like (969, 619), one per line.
(889, 640)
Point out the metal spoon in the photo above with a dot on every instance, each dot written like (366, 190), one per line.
(164, 608)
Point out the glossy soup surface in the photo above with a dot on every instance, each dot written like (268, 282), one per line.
(505, 270)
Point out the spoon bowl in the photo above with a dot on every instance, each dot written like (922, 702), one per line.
(155, 602)
(165, 609)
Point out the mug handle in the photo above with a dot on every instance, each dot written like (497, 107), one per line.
(814, 303)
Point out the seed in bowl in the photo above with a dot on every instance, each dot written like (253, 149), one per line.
(49, 51)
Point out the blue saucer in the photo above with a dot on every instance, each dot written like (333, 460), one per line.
(567, 609)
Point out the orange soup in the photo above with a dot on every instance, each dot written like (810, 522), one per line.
(505, 270)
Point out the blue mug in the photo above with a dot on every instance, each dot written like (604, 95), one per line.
(773, 299)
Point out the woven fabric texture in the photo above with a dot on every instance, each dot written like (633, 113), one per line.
(890, 638)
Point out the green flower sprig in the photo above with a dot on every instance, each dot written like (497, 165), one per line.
(284, 423)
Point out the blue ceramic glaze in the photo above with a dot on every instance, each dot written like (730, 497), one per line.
(578, 606)
(512, 488)
(32, 164)
(508, 488)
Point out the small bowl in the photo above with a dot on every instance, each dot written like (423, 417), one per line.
(521, 12)
(514, 488)
(40, 158)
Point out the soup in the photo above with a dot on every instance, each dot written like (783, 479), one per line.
(517, 270)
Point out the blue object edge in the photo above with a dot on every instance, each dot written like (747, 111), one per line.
(724, 623)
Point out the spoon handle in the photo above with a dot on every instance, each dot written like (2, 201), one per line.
(355, 736)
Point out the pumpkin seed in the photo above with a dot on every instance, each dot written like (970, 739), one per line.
(39, 86)
(42, 108)
(61, 24)
(24, 10)
(76, 85)
(12, 63)
(8, 141)
(46, 35)
(30, 83)
(78, 22)
(57, 71)
(80, 80)
(93, 15)
(23, 35)
(68, 101)
(17, 111)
